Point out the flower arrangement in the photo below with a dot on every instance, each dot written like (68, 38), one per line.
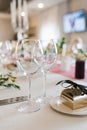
(78, 50)
(80, 55)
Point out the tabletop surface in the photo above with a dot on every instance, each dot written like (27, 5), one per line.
(44, 119)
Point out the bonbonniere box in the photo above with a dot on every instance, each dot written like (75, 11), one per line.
(74, 98)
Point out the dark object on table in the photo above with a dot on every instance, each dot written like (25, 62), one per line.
(80, 69)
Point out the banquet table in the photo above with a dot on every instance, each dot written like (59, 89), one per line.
(44, 119)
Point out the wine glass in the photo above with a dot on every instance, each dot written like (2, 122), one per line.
(5, 53)
(45, 56)
(27, 66)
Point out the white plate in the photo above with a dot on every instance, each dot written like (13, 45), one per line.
(57, 105)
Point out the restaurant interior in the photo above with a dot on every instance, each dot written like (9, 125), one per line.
(43, 64)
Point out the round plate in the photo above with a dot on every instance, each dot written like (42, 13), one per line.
(57, 105)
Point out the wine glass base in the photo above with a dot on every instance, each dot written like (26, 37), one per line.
(29, 107)
(43, 100)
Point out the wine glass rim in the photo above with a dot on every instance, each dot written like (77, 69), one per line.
(28, 39)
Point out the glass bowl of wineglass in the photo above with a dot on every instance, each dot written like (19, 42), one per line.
(5, 54)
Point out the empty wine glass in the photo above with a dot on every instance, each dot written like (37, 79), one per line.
(5, 53)
(45, 56)
(28, 67)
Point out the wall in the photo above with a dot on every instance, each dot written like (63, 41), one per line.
(46, 23)
(76, 5)
(50, 22)
(70, 6)
(49, 26)
(6, 31)
(34, 26)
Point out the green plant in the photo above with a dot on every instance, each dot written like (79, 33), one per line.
(60, 45)
(8, 80)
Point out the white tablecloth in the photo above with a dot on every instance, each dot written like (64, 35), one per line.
(45, 118)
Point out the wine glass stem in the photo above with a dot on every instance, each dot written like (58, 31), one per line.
(29, 86)
(44, 84)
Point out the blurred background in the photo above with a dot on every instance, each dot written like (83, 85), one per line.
(48, 19)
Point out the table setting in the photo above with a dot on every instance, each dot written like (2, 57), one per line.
(29, 85)
(12, 119)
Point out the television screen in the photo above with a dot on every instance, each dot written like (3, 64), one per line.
(74, 22)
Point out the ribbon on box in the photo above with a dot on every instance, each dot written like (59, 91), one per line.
(72, 84)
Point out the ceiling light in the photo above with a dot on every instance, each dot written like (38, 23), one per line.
(23, 14)
(41, 5)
